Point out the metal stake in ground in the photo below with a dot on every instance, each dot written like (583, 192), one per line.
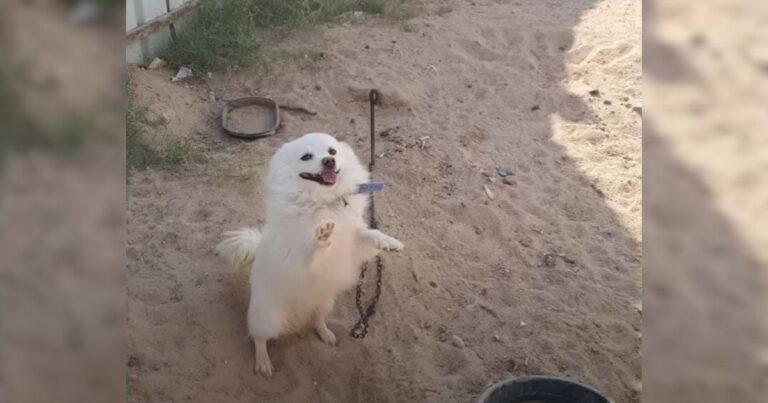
(360, 329)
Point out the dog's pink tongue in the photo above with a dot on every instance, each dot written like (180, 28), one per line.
(329, 176)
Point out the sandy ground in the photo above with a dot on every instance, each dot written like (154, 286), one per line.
(549, 91)
(705, 222)
(62, 283)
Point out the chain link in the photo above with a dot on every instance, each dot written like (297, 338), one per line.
(360, 329)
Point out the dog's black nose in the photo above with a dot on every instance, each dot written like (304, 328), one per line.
(329, 162)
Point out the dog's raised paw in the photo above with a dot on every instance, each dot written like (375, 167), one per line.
(386, 242)
(393, 245)
(323, 233)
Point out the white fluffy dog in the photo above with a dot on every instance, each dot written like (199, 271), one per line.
(312, 245)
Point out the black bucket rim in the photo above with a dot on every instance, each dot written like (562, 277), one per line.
(500, 384)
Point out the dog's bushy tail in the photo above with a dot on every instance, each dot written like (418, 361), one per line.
(239, 247)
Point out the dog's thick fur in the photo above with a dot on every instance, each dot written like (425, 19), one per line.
(312, 245)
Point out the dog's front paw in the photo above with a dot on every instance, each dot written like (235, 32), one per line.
(323, 233)
(386, 242)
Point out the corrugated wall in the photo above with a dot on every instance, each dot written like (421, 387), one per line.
(139, 12)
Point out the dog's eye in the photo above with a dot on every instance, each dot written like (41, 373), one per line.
(306, 157)
(332, 151)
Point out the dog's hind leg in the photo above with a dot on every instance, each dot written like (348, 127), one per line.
(264, 322)
(262, 364)
(321, 328)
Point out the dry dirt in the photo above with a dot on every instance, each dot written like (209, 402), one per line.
(549, 91)
(706, 227)
(62, 283)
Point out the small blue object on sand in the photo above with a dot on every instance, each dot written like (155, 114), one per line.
(372, 187)
(502, 173)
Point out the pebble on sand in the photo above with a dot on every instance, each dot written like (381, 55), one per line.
(457, 341)
(488, 192)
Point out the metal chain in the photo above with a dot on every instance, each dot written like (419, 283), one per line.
(360, 329)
